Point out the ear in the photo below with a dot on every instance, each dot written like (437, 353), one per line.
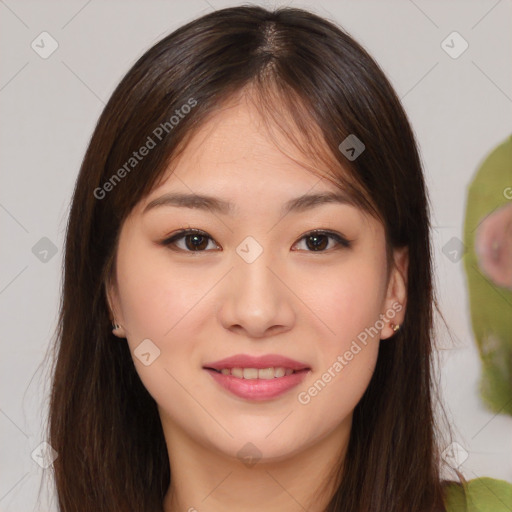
(114, 309)
(396, 296)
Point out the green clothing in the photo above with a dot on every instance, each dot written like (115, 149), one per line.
(490, 305)
(482, 495)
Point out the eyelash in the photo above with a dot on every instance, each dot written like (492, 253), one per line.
(341, 241)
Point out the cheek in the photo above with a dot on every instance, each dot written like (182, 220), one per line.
(161, 303)
(346, 359)
(347, 299)
(156, 294)
(348, 302)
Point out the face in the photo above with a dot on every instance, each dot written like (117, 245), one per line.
(253, 281)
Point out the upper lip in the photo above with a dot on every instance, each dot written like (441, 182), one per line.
(265, 361)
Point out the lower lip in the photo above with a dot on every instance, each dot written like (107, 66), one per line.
(258, 389)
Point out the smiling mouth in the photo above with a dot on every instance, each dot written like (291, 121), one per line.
(258, 373)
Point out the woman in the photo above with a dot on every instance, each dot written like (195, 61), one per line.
(246, 320)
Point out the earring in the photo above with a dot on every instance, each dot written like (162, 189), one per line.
(115, 326)
(395, 327)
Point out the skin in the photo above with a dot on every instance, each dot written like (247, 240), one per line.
(204, 306)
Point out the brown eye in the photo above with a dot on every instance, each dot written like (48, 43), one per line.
(318, 241)
(195, 240)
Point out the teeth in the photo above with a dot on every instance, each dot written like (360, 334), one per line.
(237, 372)
(268, 373)
(257, 373)
(250, 373)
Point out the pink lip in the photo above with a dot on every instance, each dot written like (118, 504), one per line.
(266, 361)
(257, 389)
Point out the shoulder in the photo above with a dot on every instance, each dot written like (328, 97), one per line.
(479, 495)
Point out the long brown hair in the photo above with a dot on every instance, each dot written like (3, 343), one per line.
(103, 423)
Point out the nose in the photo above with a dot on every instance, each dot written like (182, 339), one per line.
(257, 299)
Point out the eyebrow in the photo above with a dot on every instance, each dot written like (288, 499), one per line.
(215, 204)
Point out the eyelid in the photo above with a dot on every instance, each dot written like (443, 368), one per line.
(342, 241)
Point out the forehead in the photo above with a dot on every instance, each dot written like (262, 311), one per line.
(238, 151)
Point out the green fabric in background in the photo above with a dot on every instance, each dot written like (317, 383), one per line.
(490, 305)
(480, 495)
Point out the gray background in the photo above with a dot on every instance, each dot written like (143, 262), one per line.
(459, 108)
